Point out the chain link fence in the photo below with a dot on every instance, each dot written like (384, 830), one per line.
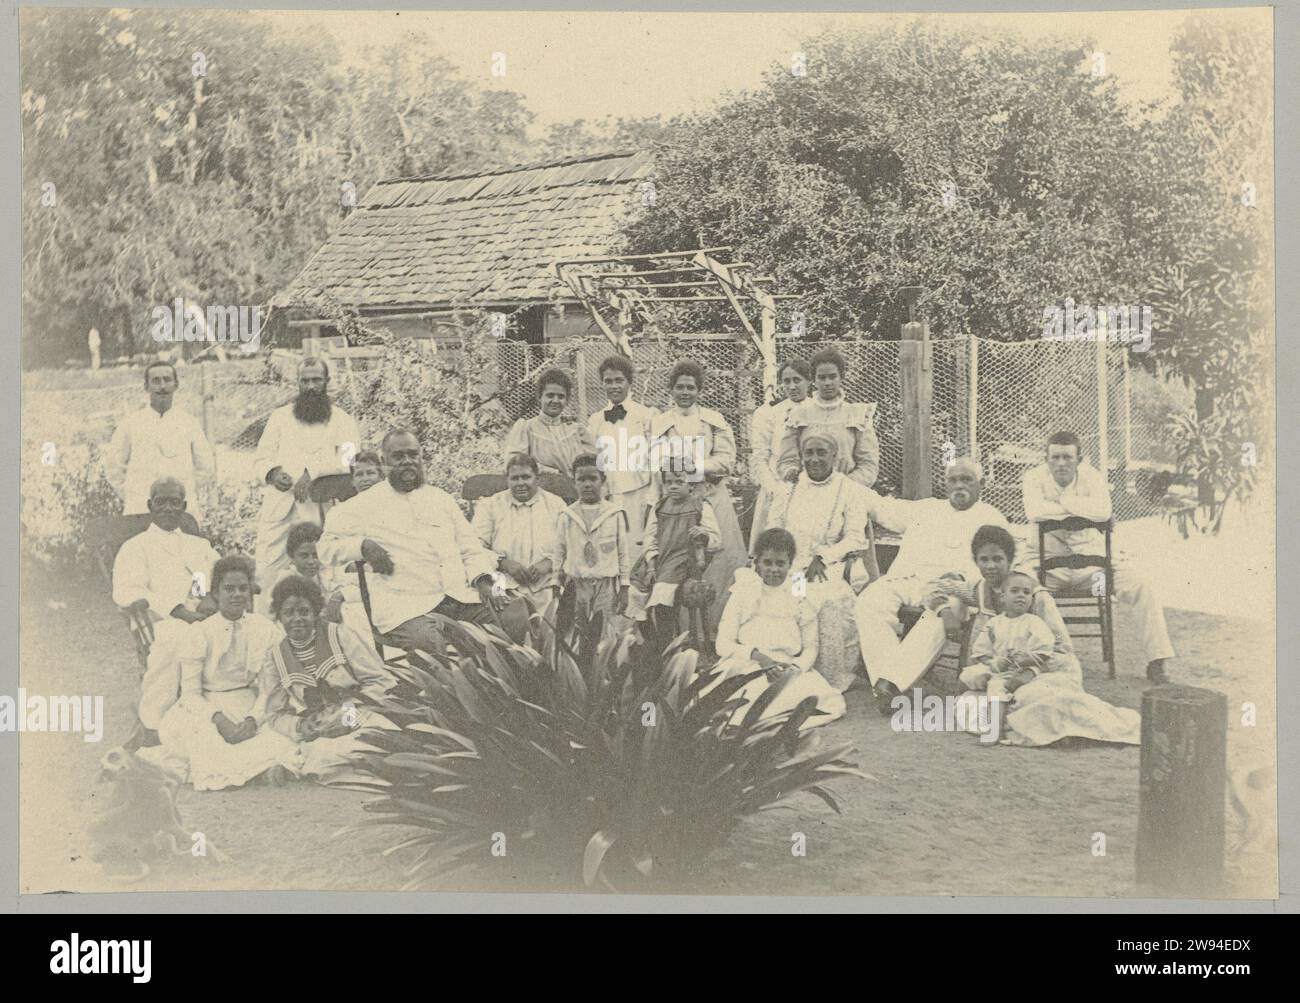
(998, 400)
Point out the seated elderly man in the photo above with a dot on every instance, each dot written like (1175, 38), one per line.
(164, 571)
(826, 513)
(425, 556)
(933, 564)
(518, 525)
(1064, 487)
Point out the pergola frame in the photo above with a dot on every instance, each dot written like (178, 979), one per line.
(628, 284)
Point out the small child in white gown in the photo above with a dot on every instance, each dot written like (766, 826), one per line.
(1015, 643)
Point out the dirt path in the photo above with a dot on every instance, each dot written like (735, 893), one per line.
(946, 815)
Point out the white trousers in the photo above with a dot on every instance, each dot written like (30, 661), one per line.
(1132, 590)
(271, 556)
(161, 686)
(903, 662)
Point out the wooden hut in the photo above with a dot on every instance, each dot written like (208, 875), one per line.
(416, 250)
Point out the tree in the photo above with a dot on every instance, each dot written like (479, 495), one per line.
(1212, 249)
(196, 154)
(995, 173)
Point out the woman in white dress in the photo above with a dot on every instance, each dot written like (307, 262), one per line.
(1053, 704)
(826, 514)
(767, 627)
(766, 430)
(701, 435)
(212, 733)
(851, 423)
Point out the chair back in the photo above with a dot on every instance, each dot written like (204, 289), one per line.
(332, 488)
(483, 486)
(561, 485)
(1073, 524)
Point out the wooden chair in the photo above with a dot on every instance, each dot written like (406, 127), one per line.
(105, 536)
(331, 488)
(485, 485)
(1081, 599)
(376, 636)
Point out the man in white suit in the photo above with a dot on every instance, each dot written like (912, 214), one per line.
(303, 440)
(159, 440)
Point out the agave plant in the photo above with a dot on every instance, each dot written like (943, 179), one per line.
(623, 774)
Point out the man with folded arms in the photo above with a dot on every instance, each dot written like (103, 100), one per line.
(1064, 487)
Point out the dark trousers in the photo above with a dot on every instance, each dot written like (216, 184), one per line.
(422, 633)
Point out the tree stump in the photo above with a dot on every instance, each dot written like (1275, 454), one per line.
(1183, 786)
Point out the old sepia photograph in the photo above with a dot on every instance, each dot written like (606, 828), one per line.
(654, 453)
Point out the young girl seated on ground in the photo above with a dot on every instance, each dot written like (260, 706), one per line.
(212, 735)
(675, 524)
(317, 681)
(1013, 647)
(304, 562)
(767, 627)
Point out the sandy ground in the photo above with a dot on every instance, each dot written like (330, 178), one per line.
(945, 816)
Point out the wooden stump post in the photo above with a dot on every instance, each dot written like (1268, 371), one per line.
(915, 397)
(1183, 780)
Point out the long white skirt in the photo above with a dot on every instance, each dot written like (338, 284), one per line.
(193, 747)
(809, 683)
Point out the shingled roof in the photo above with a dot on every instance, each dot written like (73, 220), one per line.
(473, 239)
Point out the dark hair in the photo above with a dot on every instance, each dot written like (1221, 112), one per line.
(229, 566)
(776, 539)
(315, 360)
(828, 356)
(366, 456)
(296, 585)
(522, 460)
(554, 376)
(587, 460)
(1064, 438)
(158, 364)
(996, 535)
(687, 367)
(300, 533)
(619, 363)
(800, 366)
(1020, 574)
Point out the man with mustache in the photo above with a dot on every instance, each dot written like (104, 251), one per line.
(159, 440)
(306, 439)
(933, 565)
(424, 556)
(164, 572)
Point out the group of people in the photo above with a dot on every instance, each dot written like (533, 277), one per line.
(266, 669)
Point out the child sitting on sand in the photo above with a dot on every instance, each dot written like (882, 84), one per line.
(1013, 647)
(766, 626)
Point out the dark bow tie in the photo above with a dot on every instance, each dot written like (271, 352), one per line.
(617, 413)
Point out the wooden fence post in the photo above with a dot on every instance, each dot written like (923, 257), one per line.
(1183, 777)
(915, 376)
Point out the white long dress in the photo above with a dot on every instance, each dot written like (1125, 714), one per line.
(1054, 705)
(782, 626)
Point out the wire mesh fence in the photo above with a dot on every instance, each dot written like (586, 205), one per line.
(997, 400)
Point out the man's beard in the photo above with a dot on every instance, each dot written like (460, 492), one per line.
(312, 407)
(398, 479)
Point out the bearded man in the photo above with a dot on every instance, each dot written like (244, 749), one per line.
(306, 439)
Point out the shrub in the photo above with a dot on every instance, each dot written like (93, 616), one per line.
(598, 777)
(62, 489)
